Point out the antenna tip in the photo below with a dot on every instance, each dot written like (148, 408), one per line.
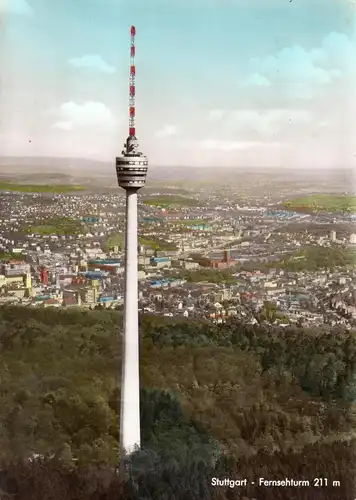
(133, 30)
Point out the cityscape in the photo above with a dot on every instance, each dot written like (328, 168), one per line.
(199, 255)
(177, 315)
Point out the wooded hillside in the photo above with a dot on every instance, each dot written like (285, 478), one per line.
(234, 400)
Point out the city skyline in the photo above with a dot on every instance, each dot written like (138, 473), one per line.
(219, 83)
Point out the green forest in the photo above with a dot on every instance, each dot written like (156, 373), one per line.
(207, 274)
(316, 258)
(309, 259)
(231, 400)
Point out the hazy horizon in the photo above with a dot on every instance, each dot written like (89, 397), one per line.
(219, 83)
(32, 161)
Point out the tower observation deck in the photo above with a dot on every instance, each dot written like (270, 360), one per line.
(132, 166)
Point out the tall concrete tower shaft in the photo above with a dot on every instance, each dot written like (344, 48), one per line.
(131, 170)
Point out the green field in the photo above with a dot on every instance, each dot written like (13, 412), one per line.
(11, 256)
(157, 244)
(60, 226)
(40, 188)
(171, 201)
(323, 203)
(118, 239)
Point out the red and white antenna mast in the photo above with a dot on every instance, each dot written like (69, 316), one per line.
(132, 109)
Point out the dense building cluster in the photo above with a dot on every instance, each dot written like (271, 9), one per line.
(213, 259)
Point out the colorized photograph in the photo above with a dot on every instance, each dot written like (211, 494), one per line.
(177, 250)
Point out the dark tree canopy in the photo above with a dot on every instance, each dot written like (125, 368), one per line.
(231, 400)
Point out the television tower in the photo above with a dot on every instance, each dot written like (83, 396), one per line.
(131, 170)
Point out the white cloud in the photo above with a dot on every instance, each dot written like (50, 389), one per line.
(254, 115)
(216, 114)
(223, 145)
(338, 51)
(325, 124)
(293, 71)
(166, 131)
(272, 115)
(257, 80)
(294, 62)
(20, 7)
(246, 128)
(63, 125)
(266, 122)
(88, 115)
(92, 61)
(298, 72)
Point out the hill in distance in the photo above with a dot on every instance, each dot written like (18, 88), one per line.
(64, 169)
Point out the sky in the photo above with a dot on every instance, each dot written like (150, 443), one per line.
(240, 83)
